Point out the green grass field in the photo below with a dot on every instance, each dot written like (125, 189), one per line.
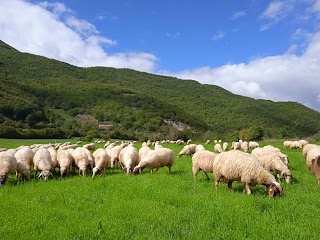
(158, 206)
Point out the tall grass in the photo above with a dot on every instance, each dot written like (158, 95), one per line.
(159, 206)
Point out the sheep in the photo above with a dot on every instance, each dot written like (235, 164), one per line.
(90, 157)
(156, 159)
(203, 160)
(312, 155)
(217, 148)
(244, 146)
(207, 142)
(24, 157)
(143, 151)
(114, 154)
(189, 141)
(200, 147)
(65, 161)
(90, 146)
(129, 158)
(225, 146)
(157, 145)
(8, 165)
(287, 144)
(101, 159)
(272, 162)
(54, 161)
(236, 146)
(253, 144)
(42, 163)
(303, 143)
(283, 157)
(188, 150)
(244, 167)
(315, 167)
(81, 160)
(306, 149)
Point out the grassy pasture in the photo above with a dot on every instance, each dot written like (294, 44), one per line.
(158, 206)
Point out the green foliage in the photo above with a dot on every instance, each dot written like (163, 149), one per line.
(37, 92)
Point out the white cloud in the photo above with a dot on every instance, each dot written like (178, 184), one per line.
(238, 14)
(285, 77)
(218, 35)
(52, 30)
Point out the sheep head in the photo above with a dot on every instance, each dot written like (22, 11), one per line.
(95, 171)
(274, 189)
(45, 175)
(137, 170)
(286, 175)
(3, 179)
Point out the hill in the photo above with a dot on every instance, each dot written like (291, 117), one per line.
(42, 97)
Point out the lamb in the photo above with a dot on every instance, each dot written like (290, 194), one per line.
(24, 157)
(312, 155)
(245, 146)
(217, 148)
(143, 151)
(42, 163)
(129, 158)
(307, 148)
(65, 161)
(203, 160)
(90, 146)
(101, 159)
(156, 159)
(81, 160)
(315, 167)
(8, 165)
(188, 150)
(272, 162)
(244, 167)
(225, 146)
(199, 147)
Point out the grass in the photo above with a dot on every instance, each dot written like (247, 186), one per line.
(159, 206)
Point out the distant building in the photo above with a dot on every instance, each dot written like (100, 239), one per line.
(105, 126)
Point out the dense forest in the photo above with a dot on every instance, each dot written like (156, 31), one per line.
(45, 98)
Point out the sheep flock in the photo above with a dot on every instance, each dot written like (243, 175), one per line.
(242, 161)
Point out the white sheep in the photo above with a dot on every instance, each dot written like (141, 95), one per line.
(54, 161)
(24, 157)
(236, 165)
(42, 163)
(65, 160)
(200, 147)
(236, 146)
(81, 160)
(189, 141)
(287, 144)
(203, 160)
(143, 151)
(156, 159)
(114, 153)
(217, 148)
(90, 157)
(315, 167)
(157, 145)
(129, 158)
(253, 144)
(284, 158)
(188, 150)
(307, 148)
(312, 155)
(272, 162)
(90, 146)
(207, 142)
(8, 165)
(225, 146)
(303, 142)
(101, 159)
(245, 146)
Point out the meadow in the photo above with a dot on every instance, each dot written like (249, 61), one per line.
(157, 206)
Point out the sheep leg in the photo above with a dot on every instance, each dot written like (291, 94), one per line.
(17, 175)
(169, 167)
(206, 176)
(247, 189)
(230, 185)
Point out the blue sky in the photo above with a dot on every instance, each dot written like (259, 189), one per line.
(256, 48)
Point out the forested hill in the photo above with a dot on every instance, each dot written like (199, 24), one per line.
(41, 97)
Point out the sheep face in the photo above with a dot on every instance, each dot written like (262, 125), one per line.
(3, 179)
(274, 190)
(45, 175)
(137, 170)
(286, 175)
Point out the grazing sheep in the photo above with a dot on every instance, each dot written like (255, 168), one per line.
(189, 141)
(315, 167)
(253, 144)
(114, 153)
(24, 157)
(225, 146)
(272, 162)
(199, 147)
(101, 159)
(203, 160)
(54, 161)
(287, 144)
(217, 148)
(8, 165)
(90, 157)
(307, 148)
(157, 145)
(143, 151)
(245, 146)
(236, 146)
(156, 159)
(188, 150)
(81, 160)
(303, 143)
(312, 155)
(207, 142)
(283, 157)
(236, 165)
(90, 146)
(129, 158)
(42, 163)
(65, 161)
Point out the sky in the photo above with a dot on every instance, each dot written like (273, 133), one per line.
(256, 48)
